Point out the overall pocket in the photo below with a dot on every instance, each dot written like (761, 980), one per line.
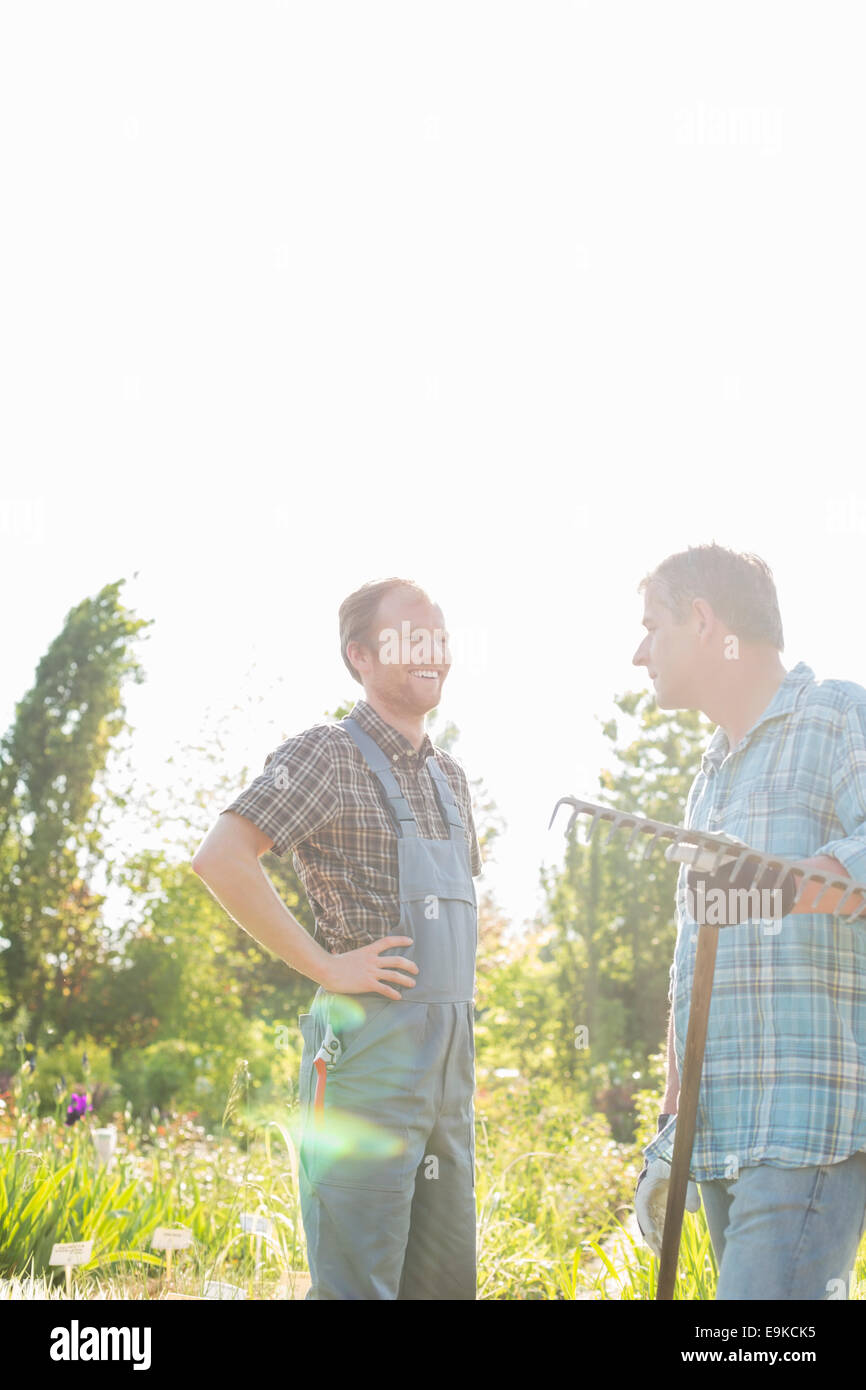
(351, 1019)
(361, 1137)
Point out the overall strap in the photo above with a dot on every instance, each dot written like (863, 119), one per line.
(445, 797)
(377, 762)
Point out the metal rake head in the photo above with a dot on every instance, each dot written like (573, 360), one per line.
(702, 850)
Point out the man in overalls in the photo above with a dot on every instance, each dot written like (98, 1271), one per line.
(385, 845)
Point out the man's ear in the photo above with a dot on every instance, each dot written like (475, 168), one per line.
(704, 615)
(359, 656)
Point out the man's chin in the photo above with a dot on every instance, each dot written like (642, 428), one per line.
(428, 695)
(667, 699)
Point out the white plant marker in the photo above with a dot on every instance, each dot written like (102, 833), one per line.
(72, 1252)
(216, 1288)
(170, 1238)
(105, 1140)
(256, 1225)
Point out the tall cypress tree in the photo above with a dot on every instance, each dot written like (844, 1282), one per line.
(50, 762)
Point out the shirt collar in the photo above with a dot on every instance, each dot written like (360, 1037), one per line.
(394, 744)
(784, 700)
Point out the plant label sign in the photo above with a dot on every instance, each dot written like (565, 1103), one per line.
(171, 1238)
(74, 1252)
(217, 1288)
(255, 1224)
(69, 1253)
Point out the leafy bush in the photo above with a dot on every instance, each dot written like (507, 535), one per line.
(75, 1064)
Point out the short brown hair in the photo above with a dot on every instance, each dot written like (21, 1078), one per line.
(359, 609)
(739, 587)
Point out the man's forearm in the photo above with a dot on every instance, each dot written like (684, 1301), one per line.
(241, 886)
(829, 896)
(672, 1087)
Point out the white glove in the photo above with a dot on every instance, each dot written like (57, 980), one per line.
(651, 1198)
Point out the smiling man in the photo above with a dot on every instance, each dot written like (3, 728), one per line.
(380, 824)
(780, 1138)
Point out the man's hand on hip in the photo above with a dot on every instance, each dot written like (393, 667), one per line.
(366, 971)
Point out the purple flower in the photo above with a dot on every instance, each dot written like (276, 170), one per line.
(77, 1107)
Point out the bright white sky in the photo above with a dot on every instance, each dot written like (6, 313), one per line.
(512, 299)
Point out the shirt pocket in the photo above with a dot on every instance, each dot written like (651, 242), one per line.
(784, 815)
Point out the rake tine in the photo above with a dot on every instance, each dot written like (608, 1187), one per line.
(652, 844)
(786, 870)
(718, 859)
(634, 834)
(764, 861)
(615, 825)
(850, 892)
(563, 801)
(735, 872)
(810, 876)
(829, 882)
(618, 821)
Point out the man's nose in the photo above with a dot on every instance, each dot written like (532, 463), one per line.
(639, 658)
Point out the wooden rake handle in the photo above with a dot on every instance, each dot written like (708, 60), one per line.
(687, 1108)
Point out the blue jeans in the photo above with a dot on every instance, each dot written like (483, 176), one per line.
(787, 1233)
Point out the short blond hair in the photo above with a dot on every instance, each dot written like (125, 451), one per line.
(358, 611)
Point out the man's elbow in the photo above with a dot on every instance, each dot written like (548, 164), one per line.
(204, 860)
(198, 864)
(233, 841)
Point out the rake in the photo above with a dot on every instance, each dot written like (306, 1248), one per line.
(705, 852)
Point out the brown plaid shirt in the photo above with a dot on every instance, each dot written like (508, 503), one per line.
(317, 797)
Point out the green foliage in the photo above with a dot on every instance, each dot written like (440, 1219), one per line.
(612, 913)
(52, 1188)
(50, 761)
(74, 1064)
(161, 1075)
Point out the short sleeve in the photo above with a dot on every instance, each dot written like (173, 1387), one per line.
(296, 793)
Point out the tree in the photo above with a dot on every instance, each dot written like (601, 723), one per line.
(614, 912)
(50, 762)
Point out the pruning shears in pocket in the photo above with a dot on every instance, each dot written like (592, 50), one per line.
(327, 1056)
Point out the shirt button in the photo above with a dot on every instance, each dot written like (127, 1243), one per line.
(394, 757)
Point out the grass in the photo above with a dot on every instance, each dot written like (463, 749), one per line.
(554, 1197)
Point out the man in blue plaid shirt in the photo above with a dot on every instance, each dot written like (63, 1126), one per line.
(780, 1138)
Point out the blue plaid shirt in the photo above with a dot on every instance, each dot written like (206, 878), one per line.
(784, 1075)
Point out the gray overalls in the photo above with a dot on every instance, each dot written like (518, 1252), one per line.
(387, 1151)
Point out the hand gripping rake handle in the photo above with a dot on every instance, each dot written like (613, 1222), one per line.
(706, 852)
